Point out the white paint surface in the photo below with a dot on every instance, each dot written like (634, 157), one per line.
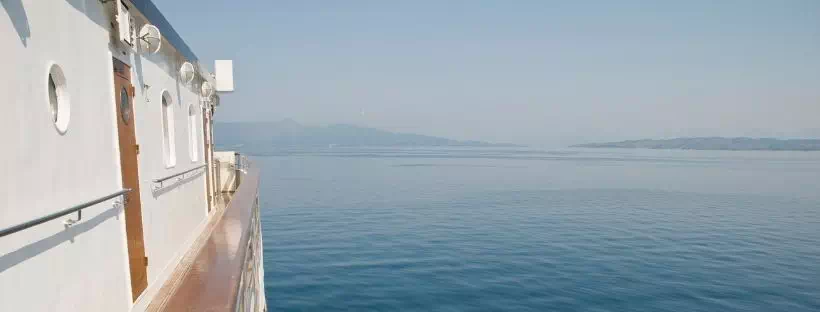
(85, 267)
(224, 75)
(227, 175)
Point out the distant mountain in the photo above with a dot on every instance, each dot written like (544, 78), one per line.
(716, 143)
(260, 136)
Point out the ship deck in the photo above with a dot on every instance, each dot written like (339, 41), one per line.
(209, 276)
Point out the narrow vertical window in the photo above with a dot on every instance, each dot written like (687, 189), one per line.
(168, 146)
(193, 142)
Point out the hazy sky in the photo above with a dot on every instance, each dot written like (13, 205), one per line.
(533, 72)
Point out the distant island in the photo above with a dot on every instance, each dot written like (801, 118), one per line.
(716, 143)
(259, 137)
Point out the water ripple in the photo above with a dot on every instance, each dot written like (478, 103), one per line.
(537, 250)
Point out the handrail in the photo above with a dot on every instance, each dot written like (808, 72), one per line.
(163, 179)
(46, 218)
(241, 168)
(220, 260)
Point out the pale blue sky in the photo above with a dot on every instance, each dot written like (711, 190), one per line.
(534, 72)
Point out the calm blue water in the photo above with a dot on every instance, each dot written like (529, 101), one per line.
(528, 230)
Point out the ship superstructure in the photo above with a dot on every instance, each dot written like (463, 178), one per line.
(113, 198)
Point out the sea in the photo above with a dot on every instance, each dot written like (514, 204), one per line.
(525, 229)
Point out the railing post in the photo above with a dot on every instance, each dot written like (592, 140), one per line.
(237, 168)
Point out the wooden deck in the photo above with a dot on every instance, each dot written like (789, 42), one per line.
(208, 277)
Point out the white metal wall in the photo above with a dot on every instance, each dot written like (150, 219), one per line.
(84, 267)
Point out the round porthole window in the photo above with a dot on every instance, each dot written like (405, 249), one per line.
(125, 106)
(59, 101)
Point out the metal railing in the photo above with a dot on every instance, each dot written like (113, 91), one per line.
(241, 167)
(181, 176)
(233, 262)
(78, 209)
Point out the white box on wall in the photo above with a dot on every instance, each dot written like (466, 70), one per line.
(223, 69)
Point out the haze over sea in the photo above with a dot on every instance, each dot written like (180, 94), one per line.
(515, 229)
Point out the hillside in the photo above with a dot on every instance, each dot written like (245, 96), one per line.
(287, 133)
(716, 143)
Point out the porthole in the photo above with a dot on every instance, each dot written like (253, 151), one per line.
(58, 99)
(125, 106)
